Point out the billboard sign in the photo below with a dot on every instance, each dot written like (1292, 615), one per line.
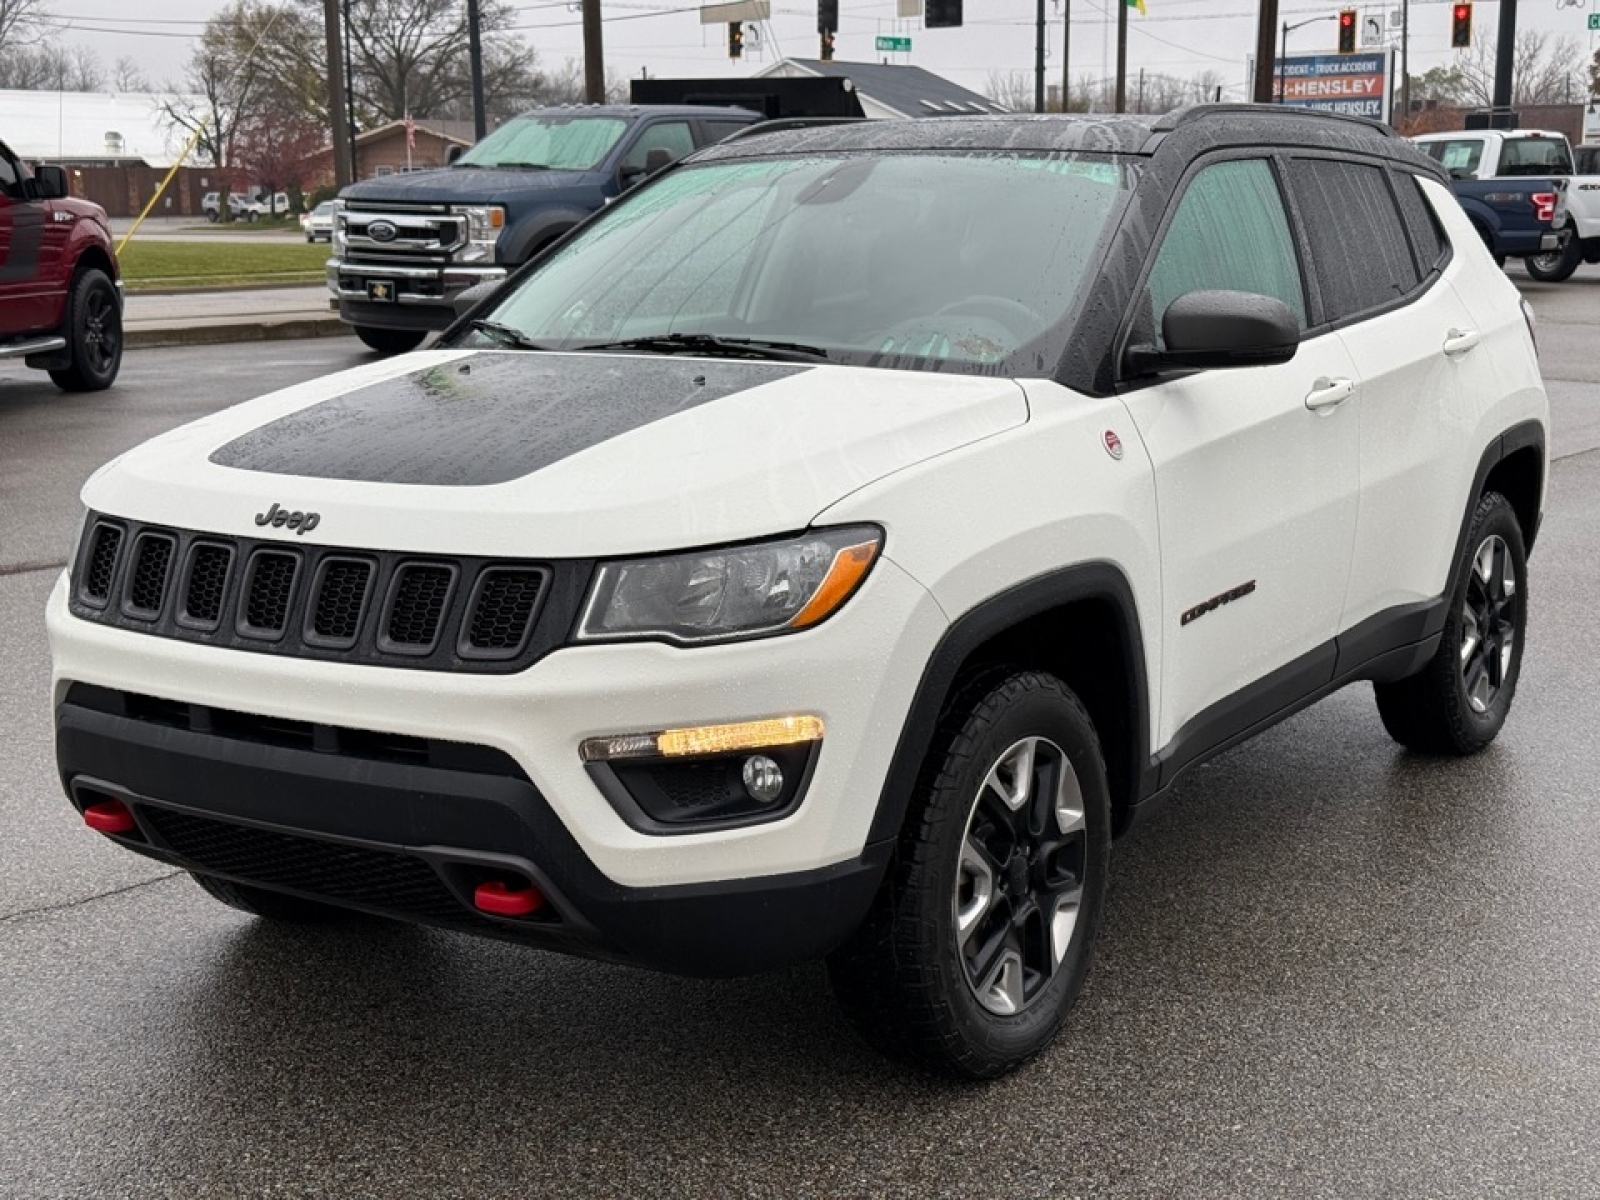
(1355, 84)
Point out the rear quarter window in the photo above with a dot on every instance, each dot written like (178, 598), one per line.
(1359, 248)
(1427, 239)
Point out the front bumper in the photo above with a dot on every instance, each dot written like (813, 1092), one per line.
(421, 296)
(786, 889)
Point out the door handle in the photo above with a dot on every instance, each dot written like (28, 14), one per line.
(1329, 393)
(1459, 341)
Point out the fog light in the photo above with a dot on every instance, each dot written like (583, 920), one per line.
(763, 778)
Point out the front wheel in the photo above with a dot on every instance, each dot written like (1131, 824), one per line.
(390, 341)
(1558, 265)
(1459, 701)
(94, 335)
(980, 938)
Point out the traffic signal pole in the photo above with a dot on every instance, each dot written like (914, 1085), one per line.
(1504, 64)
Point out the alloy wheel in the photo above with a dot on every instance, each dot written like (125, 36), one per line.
(1019, 882)
(1488, 623)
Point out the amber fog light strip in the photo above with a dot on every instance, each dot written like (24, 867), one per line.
(700, 740)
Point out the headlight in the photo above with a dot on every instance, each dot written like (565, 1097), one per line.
(483, 230)
(723, 595)
(338, 238)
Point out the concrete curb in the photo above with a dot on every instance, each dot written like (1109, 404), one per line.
(216, 335)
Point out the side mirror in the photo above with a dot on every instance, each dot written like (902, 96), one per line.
(468, 300)
(1213, 329)
(50, 183)
(657, 159)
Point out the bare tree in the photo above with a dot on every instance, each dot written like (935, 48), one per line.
(49, 66)
(1545, 70)
(128, 76)
(410, 56)
(20, 22)
(1013, 89)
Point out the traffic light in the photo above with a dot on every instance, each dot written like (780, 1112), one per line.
(827, 46)
(827, 16)
(1347, 31)
(1460, 26)
(735, 39)
(941, 14)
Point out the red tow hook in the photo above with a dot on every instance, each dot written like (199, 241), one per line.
(109, 816)
(507, 899)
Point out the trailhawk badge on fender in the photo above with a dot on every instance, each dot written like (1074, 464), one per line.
(301, 522)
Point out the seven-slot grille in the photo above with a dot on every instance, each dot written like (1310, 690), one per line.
(442, 613)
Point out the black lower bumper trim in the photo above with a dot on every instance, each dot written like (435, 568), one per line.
(407, 840)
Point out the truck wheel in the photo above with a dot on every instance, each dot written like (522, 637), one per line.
(212, 216)
(979, 940)
(390, 341)
(1457, 703)
(1558, 265)
(94, 335)
(260, 902)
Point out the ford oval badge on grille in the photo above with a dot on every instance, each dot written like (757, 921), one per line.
(382, 231)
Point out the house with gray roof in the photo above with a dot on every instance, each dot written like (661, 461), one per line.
(892, 92)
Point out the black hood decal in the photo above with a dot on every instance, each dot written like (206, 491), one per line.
(487, 419)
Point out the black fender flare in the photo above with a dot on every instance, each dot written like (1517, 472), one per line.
(1093, 581)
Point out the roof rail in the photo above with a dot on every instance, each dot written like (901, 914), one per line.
(780, 124)
(1199, 112)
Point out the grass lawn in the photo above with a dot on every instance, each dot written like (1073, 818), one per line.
(148, 266)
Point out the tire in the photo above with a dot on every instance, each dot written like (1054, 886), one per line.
(94, 334)
(253, 216)
(390, 341)
(269, 905)
(213, 217)
(1458, 702)
(1557, 266)
(980, 938)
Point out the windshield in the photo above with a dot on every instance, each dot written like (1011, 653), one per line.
(558, 142)
(967, 262)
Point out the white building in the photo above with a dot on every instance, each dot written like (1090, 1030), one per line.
(103, 127)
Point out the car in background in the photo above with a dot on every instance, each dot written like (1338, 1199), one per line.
(60, 295)
(318, 223)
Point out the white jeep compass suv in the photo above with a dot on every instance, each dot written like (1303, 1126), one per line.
(824, 551)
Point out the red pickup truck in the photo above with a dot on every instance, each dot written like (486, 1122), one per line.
(60, 297)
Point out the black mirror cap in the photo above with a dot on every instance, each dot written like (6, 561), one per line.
(1210, 329)
(50, 183)
(469, 299)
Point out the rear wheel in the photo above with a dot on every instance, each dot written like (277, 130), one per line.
(94, 335)
(980, 939)
(260, 902)
(1459, 701)
(1558, 265)
(390, 341)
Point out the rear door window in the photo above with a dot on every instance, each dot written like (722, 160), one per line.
(1230, 233)
(1359, 247)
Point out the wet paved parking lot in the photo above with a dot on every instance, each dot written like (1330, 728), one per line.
(1328, 968)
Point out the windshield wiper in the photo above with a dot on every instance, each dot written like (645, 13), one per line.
(522, 166)
(506, 335)
(716, 346)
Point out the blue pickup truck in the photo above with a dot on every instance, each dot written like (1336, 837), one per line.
(405, 246)
(1516, 199)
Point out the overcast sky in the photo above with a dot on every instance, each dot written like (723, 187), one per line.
(1177, 37)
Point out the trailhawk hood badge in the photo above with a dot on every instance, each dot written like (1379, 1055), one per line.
(301, 522)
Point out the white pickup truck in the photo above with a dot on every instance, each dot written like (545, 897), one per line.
(1494, 153)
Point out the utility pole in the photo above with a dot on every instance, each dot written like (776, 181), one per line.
(1266, 37)
(350, 98)
(1066, 55)
(1038, 58)
(480, 120)
(1122, 55)
(594, 62)
(1505, 52)
(1405, 63)
(336, 116)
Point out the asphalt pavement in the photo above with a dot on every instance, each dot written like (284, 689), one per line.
(1328, 968)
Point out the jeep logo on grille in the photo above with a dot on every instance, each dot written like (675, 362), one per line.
(301, 522)
(382, 231)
